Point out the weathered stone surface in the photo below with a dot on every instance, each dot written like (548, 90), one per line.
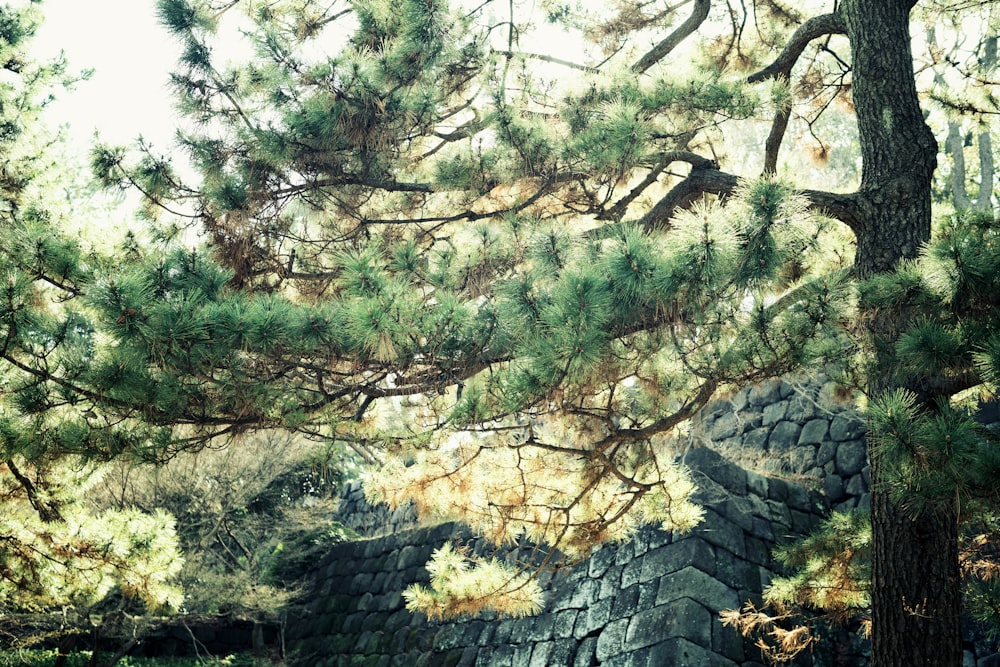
(586, 653)
(739, 401)
(799, 498)
(715, 467)
(681, 618)
(578, 597)
(856, 486)
(690, 550)
(833, 486)
(725, 642)
(814, 432)
(562, 653)
(801, 459)
(826, 452)
(611, 641)
(724, 427)
(599, 563)
(774, 413)
(765, 393)
(683, 652)
(784, 436)
(695, 584)
(851, 457)
(801, 408)
(721, 532)
(595, 617)
(541, 654)
(846, 428)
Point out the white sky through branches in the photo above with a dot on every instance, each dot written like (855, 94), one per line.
(131, 56)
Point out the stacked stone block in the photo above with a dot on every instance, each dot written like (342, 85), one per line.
(794, 428)
(369, 520)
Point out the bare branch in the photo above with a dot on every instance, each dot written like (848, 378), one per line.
(672, 40)
(706, 178)
(550, 59)
(818, 26)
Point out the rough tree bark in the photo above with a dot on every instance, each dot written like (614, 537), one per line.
(915, 583)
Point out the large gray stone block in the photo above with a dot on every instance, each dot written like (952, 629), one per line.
(579, 597)
(625, 602)
(801, 408)
(774, 413)
(720, 470)
(691, 550)
(726, 426)
(756, 439)
(846, 427)
(594, 617)
(681, 652)
(565, 620)
(739, 510)
(611, 641)
(681, 618)
(851, 457)
(784, 437)
(600, 561)
(727, 641)
(765, 393)
(586, 653)
(541, 655)
(695, 584)
(721, 532)
(814, 432)
(833, 486)
(826, 452)
(522, 655)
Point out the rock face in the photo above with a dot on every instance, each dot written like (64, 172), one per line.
(651, 602)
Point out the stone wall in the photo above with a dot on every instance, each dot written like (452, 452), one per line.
(652, 601)
(769, 461)
(797, 429)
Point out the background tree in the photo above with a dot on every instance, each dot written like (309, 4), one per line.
(56, 549)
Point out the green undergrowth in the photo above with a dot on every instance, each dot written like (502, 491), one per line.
(37, 658)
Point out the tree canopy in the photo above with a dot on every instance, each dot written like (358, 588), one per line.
(507, 277)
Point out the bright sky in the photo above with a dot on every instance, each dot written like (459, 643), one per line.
(131, 56)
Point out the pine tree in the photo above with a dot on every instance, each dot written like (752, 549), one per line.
(56, 548)
(557, 274)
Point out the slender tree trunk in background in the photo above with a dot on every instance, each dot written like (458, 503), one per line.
(915, 580)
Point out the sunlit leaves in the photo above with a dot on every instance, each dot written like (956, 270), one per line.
(460, 587)
(80, 556)
(551, 487)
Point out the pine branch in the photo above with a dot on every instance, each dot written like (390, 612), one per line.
(48, 512)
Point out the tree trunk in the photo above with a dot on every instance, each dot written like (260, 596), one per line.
(915, 582)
